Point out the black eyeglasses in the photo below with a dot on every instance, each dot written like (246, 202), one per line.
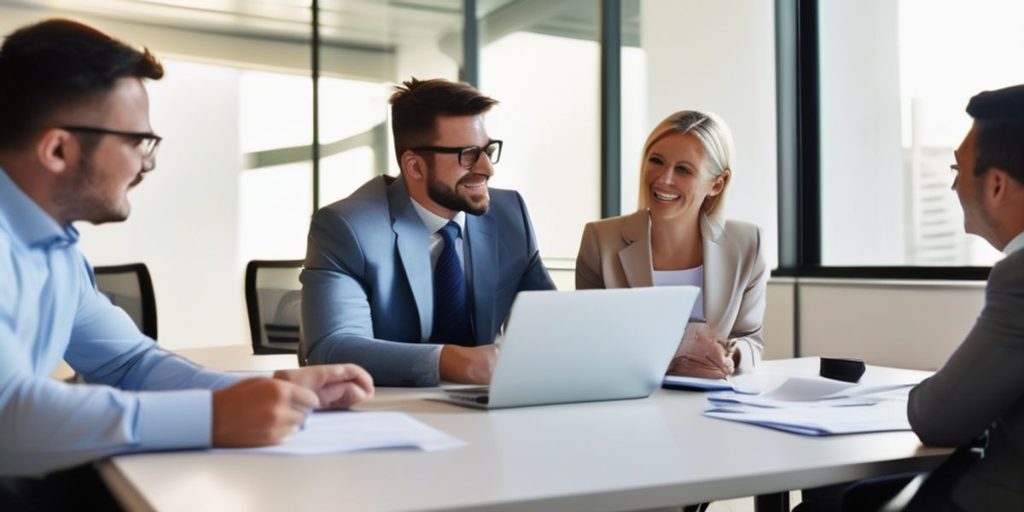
(469, 155)
(145, 140)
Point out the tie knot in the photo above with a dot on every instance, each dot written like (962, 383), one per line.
(450, 231)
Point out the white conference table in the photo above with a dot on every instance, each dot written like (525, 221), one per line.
(623, 455)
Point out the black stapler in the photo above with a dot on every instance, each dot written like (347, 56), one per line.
(846, 370)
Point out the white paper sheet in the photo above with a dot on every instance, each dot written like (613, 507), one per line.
(726, 398)
(346, 431)
(885, 416)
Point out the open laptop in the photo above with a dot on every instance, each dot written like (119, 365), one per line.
(583, 346)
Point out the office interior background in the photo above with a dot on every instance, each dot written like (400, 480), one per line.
(845, 115)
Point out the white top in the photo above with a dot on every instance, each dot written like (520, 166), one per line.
(688, 276)
(619, 455)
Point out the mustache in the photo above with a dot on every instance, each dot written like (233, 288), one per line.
(474, 177)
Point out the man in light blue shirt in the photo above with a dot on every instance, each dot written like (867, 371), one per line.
(74, 138)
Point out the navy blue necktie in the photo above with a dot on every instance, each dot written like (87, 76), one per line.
(451, 309)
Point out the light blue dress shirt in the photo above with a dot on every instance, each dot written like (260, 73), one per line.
(138, 397)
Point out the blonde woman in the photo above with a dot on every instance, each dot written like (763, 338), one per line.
(678, 236)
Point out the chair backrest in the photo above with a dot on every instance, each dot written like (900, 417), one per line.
(273, 298)
(130, 288)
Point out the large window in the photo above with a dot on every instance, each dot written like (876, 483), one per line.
(895, 77)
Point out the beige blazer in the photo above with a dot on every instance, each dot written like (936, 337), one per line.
(616, 253)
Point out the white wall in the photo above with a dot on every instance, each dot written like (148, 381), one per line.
(719, 56)
(551, 131)
(909, 325)
(906, 324)
(779, 319)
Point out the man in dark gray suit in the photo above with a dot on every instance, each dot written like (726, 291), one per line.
(980, 390)
(398, 277)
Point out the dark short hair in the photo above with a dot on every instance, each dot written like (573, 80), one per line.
(999, 136)
(58, 63)
(416, 105)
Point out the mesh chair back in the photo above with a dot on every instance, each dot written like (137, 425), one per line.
(130, 288)
(273, 298)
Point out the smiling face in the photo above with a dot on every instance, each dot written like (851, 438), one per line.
(676, 177)
(96, 185)
(448, 187)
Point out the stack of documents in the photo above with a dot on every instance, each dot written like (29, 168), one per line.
(344, 431)
(744, 383)
(817, 406)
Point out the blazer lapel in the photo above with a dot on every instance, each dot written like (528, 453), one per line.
(636, 256)
(719, 267)
(413, 244)
(483, 251)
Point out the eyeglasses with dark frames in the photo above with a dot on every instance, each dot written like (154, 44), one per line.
(469, 155)
(146, 140)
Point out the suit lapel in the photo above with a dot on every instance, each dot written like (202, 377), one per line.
(718, 265)
(636, 256)
(413, 244)
(483, 251)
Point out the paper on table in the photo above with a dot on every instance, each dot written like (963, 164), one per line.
(799, 389)
(815, 392)
(336, 432)
(882, 417)
(729, 397)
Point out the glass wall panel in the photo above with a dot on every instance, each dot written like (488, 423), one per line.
(895, 79)
(711, 56)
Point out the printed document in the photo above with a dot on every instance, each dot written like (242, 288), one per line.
(348, 431)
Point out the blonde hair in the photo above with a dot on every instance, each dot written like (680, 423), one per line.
(714, 137)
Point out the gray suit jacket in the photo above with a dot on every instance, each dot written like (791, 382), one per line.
(981, 388)
(367, 283)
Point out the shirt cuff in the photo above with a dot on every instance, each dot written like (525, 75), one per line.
(428, 367)
(174, 419)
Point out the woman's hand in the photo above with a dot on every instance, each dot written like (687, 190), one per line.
(702, 355)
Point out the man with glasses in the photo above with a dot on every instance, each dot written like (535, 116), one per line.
(398, 279)
(74, 139)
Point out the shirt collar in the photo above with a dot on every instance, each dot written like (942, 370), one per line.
(26, 221)
(433, 222)
(1015, 245)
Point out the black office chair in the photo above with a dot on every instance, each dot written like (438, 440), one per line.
(273, 298)
(130, 288)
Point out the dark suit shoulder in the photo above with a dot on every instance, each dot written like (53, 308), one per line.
(1009, 270)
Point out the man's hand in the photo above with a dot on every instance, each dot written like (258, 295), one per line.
(703, 356)
(470, 365)
(258, 412)
(338, 386)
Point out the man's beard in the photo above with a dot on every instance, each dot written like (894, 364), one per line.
(81, 196)
(449, 197)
